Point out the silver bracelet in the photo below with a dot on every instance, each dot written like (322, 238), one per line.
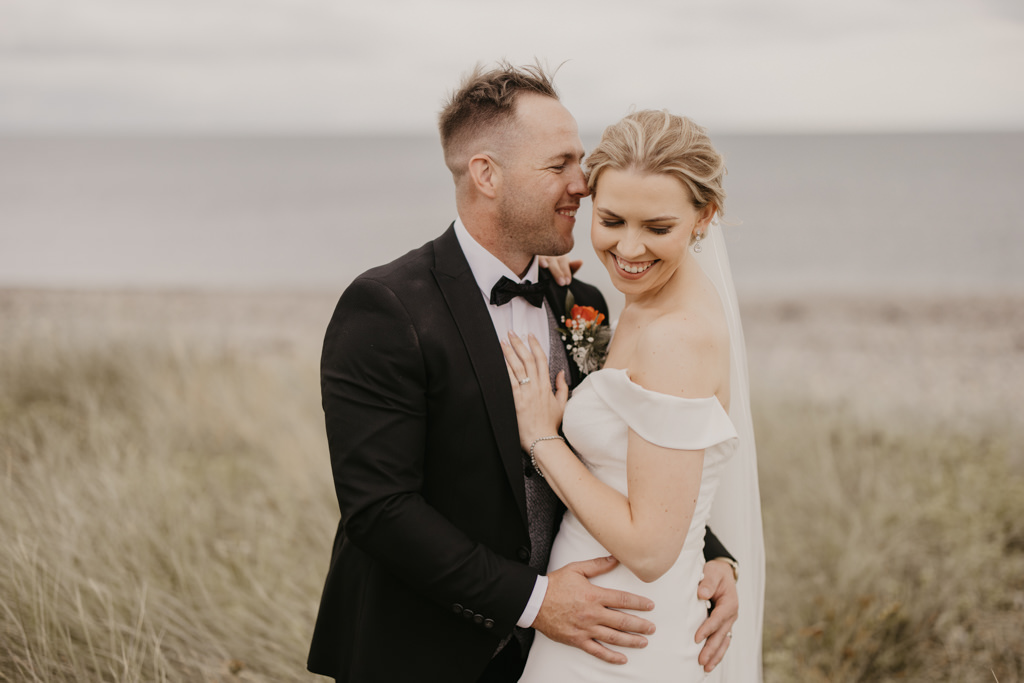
(533, 460)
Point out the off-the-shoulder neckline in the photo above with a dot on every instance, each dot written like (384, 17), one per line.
(639, 387)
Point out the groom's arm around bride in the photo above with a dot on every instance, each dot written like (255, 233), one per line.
(435, 561)
(430, 569)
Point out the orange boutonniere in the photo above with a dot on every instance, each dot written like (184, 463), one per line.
(586, 339)
(585, 315)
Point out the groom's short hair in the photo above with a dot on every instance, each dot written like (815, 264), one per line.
(484, 104)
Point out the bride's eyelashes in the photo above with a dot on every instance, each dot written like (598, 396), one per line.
(608, 223)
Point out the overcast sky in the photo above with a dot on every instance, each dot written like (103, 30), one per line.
(333, 66)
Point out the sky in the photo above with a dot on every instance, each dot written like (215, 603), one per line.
(341, 67)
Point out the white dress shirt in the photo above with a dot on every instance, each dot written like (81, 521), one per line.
(519, 316)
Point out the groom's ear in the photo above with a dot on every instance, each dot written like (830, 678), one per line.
(485, 175)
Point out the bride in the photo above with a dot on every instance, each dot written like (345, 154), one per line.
(664, 426)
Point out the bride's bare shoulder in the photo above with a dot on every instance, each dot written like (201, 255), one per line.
(680, 353)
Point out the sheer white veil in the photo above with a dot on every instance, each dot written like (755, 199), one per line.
(736, 512)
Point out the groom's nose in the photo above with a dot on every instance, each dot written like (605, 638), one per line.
(578, 182)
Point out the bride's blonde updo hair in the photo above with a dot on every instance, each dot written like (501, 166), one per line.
(652, 141)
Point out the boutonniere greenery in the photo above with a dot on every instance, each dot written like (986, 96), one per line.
(585, 335)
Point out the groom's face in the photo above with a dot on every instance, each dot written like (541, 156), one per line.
(543, 182)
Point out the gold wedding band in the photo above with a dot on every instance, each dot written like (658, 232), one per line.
(525, 380)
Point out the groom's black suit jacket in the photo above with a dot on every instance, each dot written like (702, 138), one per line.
(429, 568)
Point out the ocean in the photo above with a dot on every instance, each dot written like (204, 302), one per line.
(866, 213)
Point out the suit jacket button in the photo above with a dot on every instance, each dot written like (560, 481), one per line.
(488, 623)
(467, 613)
(457, 608)
(478, 618)
(523, 554)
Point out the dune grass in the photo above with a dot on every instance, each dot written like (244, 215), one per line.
(166, 514)
(895, 551)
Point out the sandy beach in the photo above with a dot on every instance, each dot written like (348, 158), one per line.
(944, 359)
(928, 357)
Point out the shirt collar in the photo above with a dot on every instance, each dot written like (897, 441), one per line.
(487, 268)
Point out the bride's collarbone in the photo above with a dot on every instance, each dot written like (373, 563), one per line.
(629, 330)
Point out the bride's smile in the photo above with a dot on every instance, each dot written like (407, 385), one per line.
(642, 227)
(632, 269)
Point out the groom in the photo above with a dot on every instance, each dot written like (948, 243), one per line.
(437, 567)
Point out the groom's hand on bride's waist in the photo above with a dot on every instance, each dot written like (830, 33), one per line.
(718, 586)
(578, 613)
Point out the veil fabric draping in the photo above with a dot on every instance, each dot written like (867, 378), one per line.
(736, 511)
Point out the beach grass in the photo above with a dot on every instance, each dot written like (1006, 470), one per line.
(166, 514)
(895, 551)
(167, 511)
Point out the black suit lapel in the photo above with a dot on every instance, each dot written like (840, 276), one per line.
(459, 288)
(555, 295)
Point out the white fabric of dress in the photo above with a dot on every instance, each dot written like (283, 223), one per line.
(598, 418)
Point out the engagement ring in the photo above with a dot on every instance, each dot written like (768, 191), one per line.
(525, 380)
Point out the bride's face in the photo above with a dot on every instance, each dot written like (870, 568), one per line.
(641, 228)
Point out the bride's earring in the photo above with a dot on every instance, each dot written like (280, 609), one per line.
(697, 246)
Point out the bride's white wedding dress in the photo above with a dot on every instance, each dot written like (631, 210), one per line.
(597, 421)
(598, 417)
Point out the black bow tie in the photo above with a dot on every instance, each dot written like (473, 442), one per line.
(505, 290)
